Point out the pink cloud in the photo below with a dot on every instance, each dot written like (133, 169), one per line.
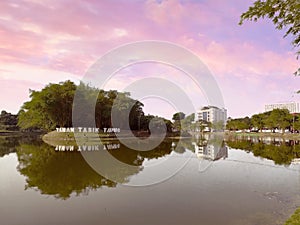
(238, 58)
(68, 36)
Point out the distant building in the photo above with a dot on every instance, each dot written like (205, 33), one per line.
(211, 114)
(293, 107)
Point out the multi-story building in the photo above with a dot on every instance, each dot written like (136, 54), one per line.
(293, 107)
(211, 114)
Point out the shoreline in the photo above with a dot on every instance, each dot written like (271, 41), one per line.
(288, 136)
(69, 136)
(5, 133)
(55, 138)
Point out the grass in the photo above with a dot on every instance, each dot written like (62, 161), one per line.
(55, 138)
(294, 219)
(67, 138)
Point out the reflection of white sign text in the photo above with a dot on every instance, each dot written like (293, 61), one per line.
(82, 148)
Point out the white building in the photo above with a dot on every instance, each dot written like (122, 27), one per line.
(211, 114)
(293, 107)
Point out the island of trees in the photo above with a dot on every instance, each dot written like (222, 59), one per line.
(52, 107)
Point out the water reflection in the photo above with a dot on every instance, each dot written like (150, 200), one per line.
(281, 151)
(8, 143)
(61, 171)
(57, 173)
(211, 149)
(236, 188)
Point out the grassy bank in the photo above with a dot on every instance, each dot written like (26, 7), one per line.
(68, 138)
(55, 138)
(273, 135)
(9, 133)
(294, 219)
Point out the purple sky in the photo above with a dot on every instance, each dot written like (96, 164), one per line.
(44, 41)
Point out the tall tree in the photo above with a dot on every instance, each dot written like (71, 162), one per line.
(50, 107)
(187, 122)
(177, 118)
(258, 121)
(279, 118)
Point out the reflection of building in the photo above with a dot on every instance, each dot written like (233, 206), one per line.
(293, 107)
(211, 114)
(211, 151)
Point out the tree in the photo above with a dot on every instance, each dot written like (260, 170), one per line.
(187, 122)
(258, 121)
(48, 108)
(296, 124)
(239, 124)
(8, 121)
(279, 118)
(53, 107)
(285, 14)
(178, 116)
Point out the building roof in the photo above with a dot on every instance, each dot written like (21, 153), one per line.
(209, 107)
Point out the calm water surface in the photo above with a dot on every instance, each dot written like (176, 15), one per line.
(246, 181)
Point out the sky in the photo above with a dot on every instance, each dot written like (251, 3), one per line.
(48, 41)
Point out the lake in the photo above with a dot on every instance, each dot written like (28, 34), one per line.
(192, 181)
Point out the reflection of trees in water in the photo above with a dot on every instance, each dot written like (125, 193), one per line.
(57, 173)
(183, 145)
(63, 173)
(280, 152)
(8, 143)
(136, 158)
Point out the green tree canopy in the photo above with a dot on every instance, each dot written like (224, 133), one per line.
(178, 116)
(8, 121)
(187, 122)
(239, 124)
(258, 120)
(48, 108)
(279, 118)
(53, 105)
